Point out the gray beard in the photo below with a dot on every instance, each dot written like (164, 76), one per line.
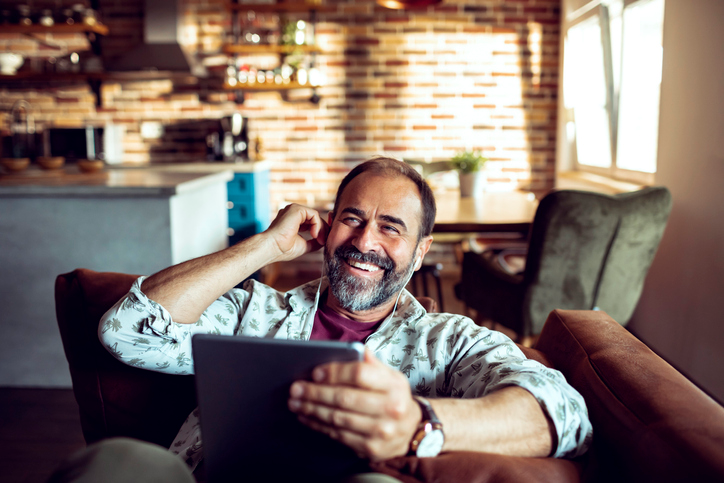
(357, 294)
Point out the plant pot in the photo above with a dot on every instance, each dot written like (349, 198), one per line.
(472, 184)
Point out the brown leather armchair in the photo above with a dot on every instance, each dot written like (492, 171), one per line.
(650, 423)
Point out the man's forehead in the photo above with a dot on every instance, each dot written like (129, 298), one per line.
(366, 189)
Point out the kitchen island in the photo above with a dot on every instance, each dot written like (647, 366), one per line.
(127, 220)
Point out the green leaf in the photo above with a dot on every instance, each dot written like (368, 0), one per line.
(182, 360)
(421, 389)
(112, 324)
(394, 361)
(468, 161)
(407, 370)
(113, 349)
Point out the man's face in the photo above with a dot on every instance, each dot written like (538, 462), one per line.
(373, 241)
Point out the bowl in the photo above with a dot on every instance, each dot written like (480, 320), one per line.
(15, 165)
(90, 165)
(9, 63)
(51, 162)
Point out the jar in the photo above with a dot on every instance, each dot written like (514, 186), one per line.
(46, 18)
(66, 17)
(90, 17)
(23, 15)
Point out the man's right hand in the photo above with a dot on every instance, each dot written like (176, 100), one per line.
(287, 228)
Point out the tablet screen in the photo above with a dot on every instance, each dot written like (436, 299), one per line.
(248, 432)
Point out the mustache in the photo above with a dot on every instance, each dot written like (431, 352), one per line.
(348, 251)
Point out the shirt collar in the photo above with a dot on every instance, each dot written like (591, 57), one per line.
(306, 298)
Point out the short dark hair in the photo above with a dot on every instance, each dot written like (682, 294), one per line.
(392, 167)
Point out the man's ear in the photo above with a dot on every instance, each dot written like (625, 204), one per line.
(422, 248)
(330, 218)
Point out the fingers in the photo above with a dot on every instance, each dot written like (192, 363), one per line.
(290, 223)
(371, 437)
(306, 397)
(374, 449)
(366, 405)
(319, 231)
(335, 417)
(370, 374)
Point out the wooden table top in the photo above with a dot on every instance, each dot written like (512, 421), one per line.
(491, 212)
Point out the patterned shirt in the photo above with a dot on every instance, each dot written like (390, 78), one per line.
(442, 355)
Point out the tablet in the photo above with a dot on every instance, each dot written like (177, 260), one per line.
(248, 431)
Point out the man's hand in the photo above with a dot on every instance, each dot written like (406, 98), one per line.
(365, 405)
(290, 223)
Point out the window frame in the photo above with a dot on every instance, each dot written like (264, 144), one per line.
(600, 9)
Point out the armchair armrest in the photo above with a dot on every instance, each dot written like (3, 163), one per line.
(650, 422)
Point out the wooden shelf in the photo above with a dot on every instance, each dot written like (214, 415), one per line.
(99, 29)
(256, 49)
(51, 77)
(259, 87)
(282, 7)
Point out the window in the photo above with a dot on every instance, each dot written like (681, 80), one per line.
(611, 87)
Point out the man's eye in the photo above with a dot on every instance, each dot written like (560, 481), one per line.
(351, 221)
(390, 229)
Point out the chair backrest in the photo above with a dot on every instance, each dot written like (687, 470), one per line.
(590, 250)
(114, 399)
(643, 215)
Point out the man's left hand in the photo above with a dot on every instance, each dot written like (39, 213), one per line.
(365, 405)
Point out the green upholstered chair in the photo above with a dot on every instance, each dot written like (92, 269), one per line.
(585, 251)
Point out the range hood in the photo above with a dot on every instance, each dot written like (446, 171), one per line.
(162, 49)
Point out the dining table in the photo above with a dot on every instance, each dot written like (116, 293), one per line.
(488, 212)
(495, 215)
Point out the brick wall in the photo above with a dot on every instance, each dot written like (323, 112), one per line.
(423, 84)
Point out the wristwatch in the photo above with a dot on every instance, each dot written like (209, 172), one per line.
(428, 438)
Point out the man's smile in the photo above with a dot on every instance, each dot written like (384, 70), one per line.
(367, 267)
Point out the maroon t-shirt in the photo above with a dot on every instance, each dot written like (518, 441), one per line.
(329, 325)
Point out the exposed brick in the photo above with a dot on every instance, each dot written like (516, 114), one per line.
(397, 82)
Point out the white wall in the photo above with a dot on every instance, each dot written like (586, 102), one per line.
(681, 312)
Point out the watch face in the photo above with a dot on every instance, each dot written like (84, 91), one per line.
(431, 444)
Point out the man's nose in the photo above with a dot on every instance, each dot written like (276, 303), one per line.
(365, 239)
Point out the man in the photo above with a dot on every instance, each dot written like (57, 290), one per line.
(486, 394)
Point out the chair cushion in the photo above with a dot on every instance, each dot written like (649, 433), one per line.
(650, 422)
(114, 399)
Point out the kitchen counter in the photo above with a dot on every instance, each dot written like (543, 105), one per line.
(117, 220)
(110, 182)
(201, 167)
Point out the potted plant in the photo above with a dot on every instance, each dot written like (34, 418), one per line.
(469, 166)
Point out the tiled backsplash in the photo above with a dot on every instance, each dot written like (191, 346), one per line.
(419, 84)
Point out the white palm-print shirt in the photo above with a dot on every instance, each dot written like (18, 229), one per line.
(442, 355)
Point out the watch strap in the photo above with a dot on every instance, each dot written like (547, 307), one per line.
(428, 414)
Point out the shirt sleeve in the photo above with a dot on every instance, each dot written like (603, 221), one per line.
(494, 361)
(140, 332)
